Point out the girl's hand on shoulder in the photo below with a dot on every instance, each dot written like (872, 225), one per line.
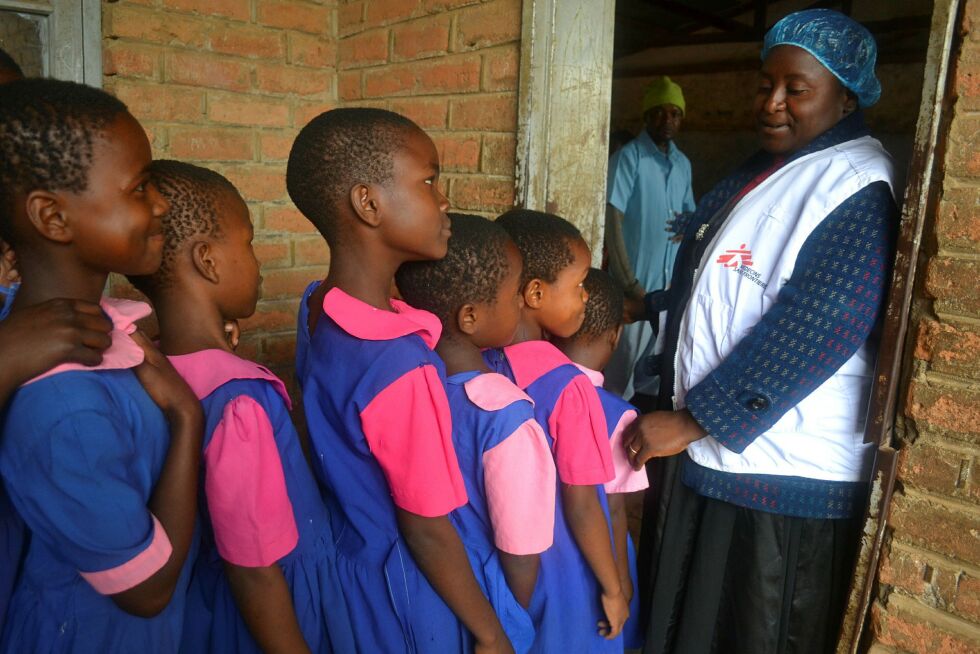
(38, 338)
(617, 610)
(233, 332)
(163, 384)
(8, 265)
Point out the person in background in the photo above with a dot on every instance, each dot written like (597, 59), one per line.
(649, 187)
(768, 360)
(617, 139)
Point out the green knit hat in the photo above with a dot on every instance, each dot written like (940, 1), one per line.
(663, 91)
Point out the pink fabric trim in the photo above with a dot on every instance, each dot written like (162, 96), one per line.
(206, 370)
(626, 480)
(135, 571)
(361, 320)
(409, 430)
(493, 392)
(123, 352)
(596, 377)
(519, 481)
(532, 359)
(253, 520)
(581, 441)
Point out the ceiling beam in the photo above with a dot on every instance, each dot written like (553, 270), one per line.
(705, 18)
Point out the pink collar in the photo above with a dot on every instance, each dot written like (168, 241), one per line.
(594, 376)
(531, 360)
(206, 370)
(363, 321)
(492, 392)
(123, 352)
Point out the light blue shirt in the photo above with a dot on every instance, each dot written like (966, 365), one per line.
(650, 187)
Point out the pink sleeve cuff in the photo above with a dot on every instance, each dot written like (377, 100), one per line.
(135, 571)
(626, 479)
(409, 430)
(519, 481)
(578, 427)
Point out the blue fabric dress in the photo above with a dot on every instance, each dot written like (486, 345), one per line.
(12, 533)
(214, 623)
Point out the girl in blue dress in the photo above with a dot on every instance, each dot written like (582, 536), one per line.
(265, 578)
(503, 454)
(100, 462)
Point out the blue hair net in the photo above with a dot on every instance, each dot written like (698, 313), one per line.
(844, 47)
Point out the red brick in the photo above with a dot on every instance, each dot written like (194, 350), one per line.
(275, 146)
(494, 113)
(967, 601)
(248, 347)
(211, 144)
(304, 112)
(279, 350)
(968, 86)
(155, 26)
(365, 49)
(203, 69)
(481, 194)
(286, 219)
(432, 6)
(276, 78)
(958, 218)
(237, 109)
(289, 282)
(428, 113)
(499, 154)
(272, 253)
(295, 15)
(271, 316)
(349, 85)
(312, 51)
(952, 349)
(160, 102)
(458, 153)
(421, 38)
(931, 467)
(128, 60)
(963, 157)
(258, 183)
(491, 23)
(939, 527)
(901, 569)
(311, 251)
(954, 412)
(910, 627)
(501, 67)
(237, 9)
(350, 18)
(388, 81)
(457, 75)
(388, 11)
(955, 281)
(253, 42)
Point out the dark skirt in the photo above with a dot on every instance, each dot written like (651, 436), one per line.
(728, 579)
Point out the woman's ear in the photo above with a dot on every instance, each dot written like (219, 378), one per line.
(365, 204)
(850, 103)
(534, 292)
(46, 214)
(204, 262)
(467, 319)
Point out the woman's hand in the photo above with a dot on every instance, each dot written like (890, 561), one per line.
(658, 434)
(634, 309)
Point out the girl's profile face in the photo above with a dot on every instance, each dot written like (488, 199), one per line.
(563, 307)
(503, 317)
(238, 266)
(415, 220)
(116, 221)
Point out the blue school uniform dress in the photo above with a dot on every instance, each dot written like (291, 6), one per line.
(566, 603)
(261, 506)
(12, 532)
(81, 451)
(619, 414)
(380, 428)
(510, 481)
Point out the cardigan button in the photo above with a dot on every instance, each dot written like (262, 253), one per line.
(753, 401)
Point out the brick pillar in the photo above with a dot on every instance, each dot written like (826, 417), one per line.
(929, 579)
(451, 66)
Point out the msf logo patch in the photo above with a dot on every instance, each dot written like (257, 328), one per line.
(739, 260)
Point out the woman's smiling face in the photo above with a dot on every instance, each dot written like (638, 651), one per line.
(797, 100)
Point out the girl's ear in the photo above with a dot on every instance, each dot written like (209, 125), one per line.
(364, 201)
(534, 292)
(614, 336)
(467, 319)
(45, 213)
(204, 262)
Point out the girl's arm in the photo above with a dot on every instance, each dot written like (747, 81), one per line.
(266, 606)
(591, 532)
(521, 573)
(174, 499)
(439, 552)
(617, 516)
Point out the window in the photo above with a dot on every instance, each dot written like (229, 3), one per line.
(54, 38)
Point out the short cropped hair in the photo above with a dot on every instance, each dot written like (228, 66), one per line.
(47, 137)
(604, 310)
(8, 64)
(337, 150)
(194, 194)
(470, 273)
(544, 239)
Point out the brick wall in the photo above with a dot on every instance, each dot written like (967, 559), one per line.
(451, 66)
(929, 580)
(227, 84)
